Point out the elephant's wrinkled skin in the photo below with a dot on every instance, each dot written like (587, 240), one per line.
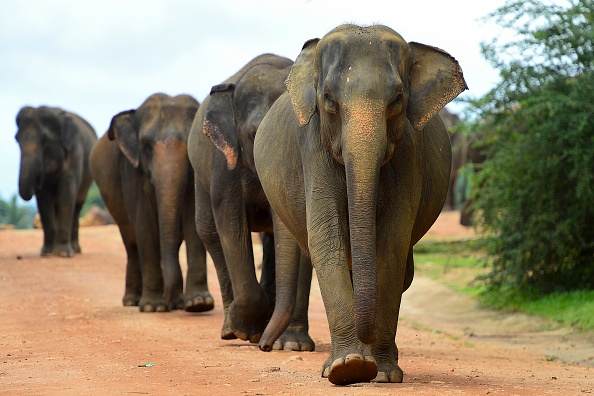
(355, 162)
(142, 169)
(230, 203)
(55, 147)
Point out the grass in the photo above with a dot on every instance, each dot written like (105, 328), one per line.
(457, 264)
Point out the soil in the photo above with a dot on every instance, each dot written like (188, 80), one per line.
(63, 331)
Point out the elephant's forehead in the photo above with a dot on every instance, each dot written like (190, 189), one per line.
(358, 41)
(361, 55)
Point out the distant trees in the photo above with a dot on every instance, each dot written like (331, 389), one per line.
(536, 196)
(12, 213)
(21, 216)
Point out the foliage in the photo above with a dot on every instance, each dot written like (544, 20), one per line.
(93, 198)
(457, 264)
(536, 201)
(19, 216)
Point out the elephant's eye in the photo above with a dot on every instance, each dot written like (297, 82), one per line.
(330, 104)
(396, 102)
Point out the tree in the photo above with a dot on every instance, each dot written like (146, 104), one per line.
(536, 201)
(12, 213)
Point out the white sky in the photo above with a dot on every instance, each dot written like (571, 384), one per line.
(97, 58)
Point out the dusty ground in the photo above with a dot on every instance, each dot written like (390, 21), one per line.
(63, 331)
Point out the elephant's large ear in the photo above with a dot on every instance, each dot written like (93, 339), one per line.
(436, 79)
(219, 122)
(301, 82)
(68, 132)
(123, 132)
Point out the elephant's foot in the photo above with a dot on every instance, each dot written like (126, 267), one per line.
(131, 300)
(178, 302)
(389, 375)
(227, 332)
(350, 369)
(61, 251)
(387, 364)
(152, 303)
(248, 319)
(200, 301)
(46, 250)
(294, 338)
(76, 247)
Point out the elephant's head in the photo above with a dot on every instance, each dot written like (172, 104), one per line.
(235, 109)
(369, 88)
(154, 139)
(46, 137)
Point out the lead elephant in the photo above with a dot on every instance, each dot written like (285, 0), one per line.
(230, 203)
(355, 164)
(142, 170)
(55, 146)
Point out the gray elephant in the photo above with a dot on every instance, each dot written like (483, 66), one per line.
(55, 146)
(355, 164)
(142, 170)
(230, 203)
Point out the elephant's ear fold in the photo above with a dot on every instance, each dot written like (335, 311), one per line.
(68, 133)
(436, 79)
(122, 130)
(219, 122)
(301, 82)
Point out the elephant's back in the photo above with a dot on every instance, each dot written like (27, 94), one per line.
(272, 60)
(103, 161)
(84, 127)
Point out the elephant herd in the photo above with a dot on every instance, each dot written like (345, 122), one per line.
(338, 159)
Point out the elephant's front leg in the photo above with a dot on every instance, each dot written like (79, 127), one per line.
(249, 311)
(350, 360)
(45, 207)
(149, 254)
(74, 231)
(65, 208)
(197, 297)
(394, 256)
(207, 231)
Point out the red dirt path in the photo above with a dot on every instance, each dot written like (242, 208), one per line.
(63, 331)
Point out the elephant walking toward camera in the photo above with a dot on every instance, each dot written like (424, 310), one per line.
(355, 163)
(55, 147)
(230, 203)
(142, 170)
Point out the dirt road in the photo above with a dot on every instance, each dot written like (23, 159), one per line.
(63, 331)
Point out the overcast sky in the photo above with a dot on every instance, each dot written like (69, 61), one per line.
(97, 58)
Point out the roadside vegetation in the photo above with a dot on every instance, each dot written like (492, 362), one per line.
(460, 264)
(20, 216)
(533, 196)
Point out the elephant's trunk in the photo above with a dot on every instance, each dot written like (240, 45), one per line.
(364, 149)
(30, 175)
(170, 178)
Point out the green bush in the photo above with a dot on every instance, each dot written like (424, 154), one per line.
(536, 201)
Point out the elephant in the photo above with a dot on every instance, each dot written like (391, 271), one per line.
(55, 146)
(230, 203)
(355, 165)
(458, 142)
(143, 173)
(476, 155)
